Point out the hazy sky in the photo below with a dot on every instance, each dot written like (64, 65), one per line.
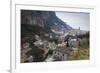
(75, 19)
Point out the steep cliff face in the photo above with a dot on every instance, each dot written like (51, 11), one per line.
(32, 18)
(44, 19)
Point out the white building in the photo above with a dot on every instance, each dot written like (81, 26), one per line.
(62, 54)
(73, 42)
(38, 43)
(52, 45)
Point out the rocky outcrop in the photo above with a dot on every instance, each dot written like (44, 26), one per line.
(44, 19)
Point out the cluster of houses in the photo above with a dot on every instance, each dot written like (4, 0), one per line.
(67, 45)
(66, 50)
(24, 49)
(61, 51)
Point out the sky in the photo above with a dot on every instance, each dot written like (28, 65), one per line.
(75, 19)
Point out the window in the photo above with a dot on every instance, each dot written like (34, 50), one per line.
(55, 52)
(63, 54)
(58, 53)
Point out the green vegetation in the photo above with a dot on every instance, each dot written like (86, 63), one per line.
(84, 43)
(82, 54)
(83, 49)
(36, 53)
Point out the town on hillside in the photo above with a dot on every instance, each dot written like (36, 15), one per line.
(46, 38)
(69, 45)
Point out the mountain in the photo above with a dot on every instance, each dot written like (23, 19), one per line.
(45, 24)
(45, 19)
(58, 22)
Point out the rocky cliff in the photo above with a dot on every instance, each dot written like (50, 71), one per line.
(44, 19)
(41, 23)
